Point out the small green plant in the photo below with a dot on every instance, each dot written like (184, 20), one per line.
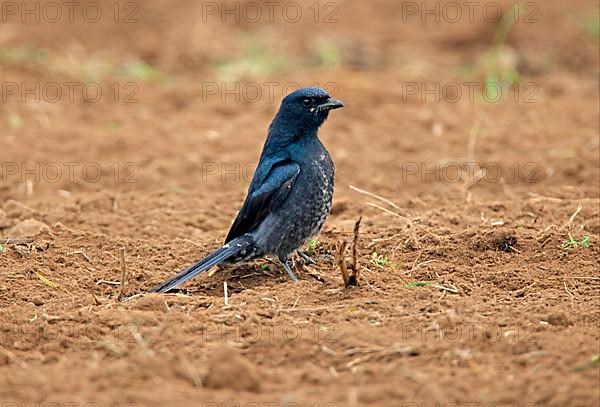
(264, 267)
(497, 66)
(591, 26)
(2, 248)
(573, 242)
(312, 245)
(328, 54)
(22, 55)
(256, 60)
(497, 71)
(113, 126)
(379, 260)
(144, 72)
(15, 121)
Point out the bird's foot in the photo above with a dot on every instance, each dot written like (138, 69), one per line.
(307, 259)
(288, 269)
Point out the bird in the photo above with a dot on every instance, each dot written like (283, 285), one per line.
(290, 195)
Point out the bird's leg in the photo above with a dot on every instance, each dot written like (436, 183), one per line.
(288, 269)
(306, 257)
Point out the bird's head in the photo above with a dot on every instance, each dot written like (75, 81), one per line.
(305, 109)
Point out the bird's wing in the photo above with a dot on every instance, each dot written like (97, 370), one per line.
(266, 193)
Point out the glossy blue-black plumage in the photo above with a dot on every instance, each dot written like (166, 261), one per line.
(290, 195)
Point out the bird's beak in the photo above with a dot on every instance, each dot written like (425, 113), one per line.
(331, 104)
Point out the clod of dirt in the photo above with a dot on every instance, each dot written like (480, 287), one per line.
(37, 301)
(505, 242)
(593, 227)
(4, 220)
(558, 319)
(27, 228)
(501, 240)
(315, 376)
(228, 369)
(16, 209)
(339, 207)
(149, 302)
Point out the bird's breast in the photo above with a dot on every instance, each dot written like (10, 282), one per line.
(316, 191)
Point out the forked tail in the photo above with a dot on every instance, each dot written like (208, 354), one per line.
(233, 249)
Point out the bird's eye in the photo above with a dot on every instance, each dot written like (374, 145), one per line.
(306, 102)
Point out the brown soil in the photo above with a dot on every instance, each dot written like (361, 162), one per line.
(467, 290)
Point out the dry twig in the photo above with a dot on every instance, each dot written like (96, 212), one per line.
(123, 270)
(372, 195)
(350, 272)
